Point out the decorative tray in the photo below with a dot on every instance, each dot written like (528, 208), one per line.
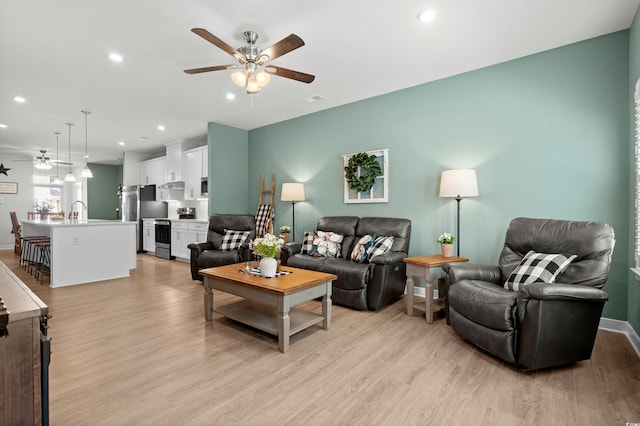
(256, 272)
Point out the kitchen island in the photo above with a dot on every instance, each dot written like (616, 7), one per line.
(86, 251)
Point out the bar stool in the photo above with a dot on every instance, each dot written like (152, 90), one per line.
(29, 252)
(43, 264)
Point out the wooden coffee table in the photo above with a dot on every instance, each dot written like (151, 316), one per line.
(268, 301)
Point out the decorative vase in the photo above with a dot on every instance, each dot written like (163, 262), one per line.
(447, 250)
(268, 267)
(285, 237)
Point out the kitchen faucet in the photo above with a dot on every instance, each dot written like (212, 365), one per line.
(74, 203)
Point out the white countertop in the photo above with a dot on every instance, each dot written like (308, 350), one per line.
(67, 222)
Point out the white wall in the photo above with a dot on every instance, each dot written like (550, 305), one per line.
(21, 172)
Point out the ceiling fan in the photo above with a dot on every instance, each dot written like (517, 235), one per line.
(42, 162)
(254, 69)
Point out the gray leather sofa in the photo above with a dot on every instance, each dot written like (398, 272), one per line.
(208, 254)
(542, 324)
(362, 286)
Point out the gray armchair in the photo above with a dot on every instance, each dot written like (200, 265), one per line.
(541, 324)
(212, 253)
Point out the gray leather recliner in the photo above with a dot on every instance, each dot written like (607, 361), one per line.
(541, 325)
(208, 254)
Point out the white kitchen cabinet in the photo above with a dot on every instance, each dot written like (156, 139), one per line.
(193, 172)
(179, 239)
(184, 233)
(152, 172)
(198, 232)
(174, 161)
(149, 235)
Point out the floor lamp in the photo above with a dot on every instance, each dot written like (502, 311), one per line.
(459, 184)
(292, 192)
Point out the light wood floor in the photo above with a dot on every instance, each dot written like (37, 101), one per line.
(137, 351)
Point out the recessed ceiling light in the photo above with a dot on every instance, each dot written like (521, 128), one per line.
(115, 57)
(121, 143)
(427, 15)
(230, 96)
(19, 99)
(3, 126)
(161, 128)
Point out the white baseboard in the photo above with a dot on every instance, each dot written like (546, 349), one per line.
(616, 326)
(623, 327)
(6, 247)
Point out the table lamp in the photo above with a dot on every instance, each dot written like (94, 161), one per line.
(292, 192)
(458, 184)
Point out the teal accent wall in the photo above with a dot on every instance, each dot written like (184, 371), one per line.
(547, 134)
(228, 171)
(102, 198)
(634, 74)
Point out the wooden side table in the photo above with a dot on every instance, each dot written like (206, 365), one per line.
(427, 267)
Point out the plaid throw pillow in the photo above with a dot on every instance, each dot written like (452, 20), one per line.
(537, 267)
(233, 240)
(382, 245)
(307, 243)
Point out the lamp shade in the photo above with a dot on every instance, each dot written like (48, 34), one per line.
(292, 192)
(458, 183)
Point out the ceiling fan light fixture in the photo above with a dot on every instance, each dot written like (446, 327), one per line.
(240, 78)
(252, 83)
(43, 165)
(263, 78)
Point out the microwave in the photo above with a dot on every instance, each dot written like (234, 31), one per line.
(204, 187)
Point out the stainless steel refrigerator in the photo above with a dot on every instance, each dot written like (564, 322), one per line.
(138, 202)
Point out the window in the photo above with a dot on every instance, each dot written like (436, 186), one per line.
(46, 197)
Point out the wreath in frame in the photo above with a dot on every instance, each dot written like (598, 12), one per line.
(369, 169)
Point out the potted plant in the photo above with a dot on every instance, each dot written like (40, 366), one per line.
(446, 244)
(284, 233)
(268, 247)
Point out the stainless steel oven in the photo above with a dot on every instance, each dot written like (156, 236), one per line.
(163, 238)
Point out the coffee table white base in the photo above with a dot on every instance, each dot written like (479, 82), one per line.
(270, 312)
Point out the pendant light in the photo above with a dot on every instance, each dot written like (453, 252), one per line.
(69, 177)
(86, 171)
(58, 179)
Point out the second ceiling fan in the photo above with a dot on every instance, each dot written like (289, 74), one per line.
(253, 68)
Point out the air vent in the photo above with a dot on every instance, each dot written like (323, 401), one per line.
(315, 98)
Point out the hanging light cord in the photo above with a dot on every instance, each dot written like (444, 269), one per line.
(86, 137)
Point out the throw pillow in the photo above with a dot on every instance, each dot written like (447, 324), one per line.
(537, 267)
(360, 249)
(307, 243)
(381, 245)
(323, 244)
(233, 240)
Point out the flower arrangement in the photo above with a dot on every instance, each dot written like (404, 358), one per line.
(43, 206)
(446, 238)
(267, 246)
(285, 229)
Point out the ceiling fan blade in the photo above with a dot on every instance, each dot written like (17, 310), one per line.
(286, 45)
(214, 40)
(287, 73)
(207, 69)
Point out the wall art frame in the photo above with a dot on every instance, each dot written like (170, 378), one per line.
(379, 193)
